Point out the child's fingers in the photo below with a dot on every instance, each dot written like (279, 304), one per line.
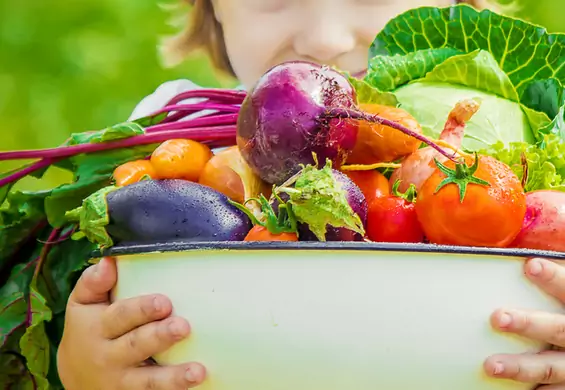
(141, 343)
(95, 283)
(552, 387)
(548, 275)
(542, 368)
(180, 377)
(125, 315)
(541, 326)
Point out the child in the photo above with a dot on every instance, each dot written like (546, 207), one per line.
(105, 345)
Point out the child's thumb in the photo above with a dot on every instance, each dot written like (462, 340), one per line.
(95, 283)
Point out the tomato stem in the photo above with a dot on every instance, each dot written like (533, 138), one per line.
(409, 195)
(462, 176)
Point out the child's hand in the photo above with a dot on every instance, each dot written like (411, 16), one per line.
(546, 368)
(104, 345)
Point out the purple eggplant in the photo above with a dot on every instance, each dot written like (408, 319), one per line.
(156, 210)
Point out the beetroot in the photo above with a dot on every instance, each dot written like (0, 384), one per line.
(297, 110)
(544, 223)
(281, 121)
(358, 204)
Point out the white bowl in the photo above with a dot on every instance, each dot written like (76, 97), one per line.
(335, 316)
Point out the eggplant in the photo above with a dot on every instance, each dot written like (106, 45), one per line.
(157, 210)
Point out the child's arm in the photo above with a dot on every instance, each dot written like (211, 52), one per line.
(547, 368)
(104, 345)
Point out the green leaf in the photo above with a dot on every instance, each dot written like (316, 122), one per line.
(545, 96)
(92, 172)
(93, 217)
(151, 119)
(319, 201)
(34, 343)
(546, 166)
(524, 51)
(61, 269)
(13, 311)
(388, 73)
(478, 70)
(112, 133)
(498, 119)
(22, 215)
(366, 94)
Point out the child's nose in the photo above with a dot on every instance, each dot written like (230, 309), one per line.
(325, 39)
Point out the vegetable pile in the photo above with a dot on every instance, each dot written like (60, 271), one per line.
(455, 136)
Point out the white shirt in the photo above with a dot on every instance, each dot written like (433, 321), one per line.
(162, 95)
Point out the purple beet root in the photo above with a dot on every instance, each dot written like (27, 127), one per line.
(284, 120)
(358, 203)
(356, 200)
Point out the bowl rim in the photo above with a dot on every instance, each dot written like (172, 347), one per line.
(188, 245)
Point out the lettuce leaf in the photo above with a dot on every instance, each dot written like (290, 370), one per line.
(432, 57)
(524, 51)
(388, 73)
(546, 165)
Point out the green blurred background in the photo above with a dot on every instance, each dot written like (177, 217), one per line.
(68, 66)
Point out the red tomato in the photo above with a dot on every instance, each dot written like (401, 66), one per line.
(260, 233)
(180, 159)
(133, 171)
(373, 184)
(393, 219)
(489, 215)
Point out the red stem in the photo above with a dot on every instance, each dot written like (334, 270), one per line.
(197, 134)
(26, 171)
(219, 95)
(215, 120)
(180, 111)
(347, 113)
(195, 107)
(42, 256)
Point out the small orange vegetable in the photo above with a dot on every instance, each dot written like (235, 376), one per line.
(378, 143)
(218, 173)
(180, 159)
(133, 171)
(261, 233)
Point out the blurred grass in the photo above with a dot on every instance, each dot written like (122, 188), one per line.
(68, 66)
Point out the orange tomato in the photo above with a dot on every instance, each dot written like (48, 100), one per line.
(228, 173)
(260, 233)
(180, 159)
(378, 143)
(489, 215)
(133, 171)
(372, 184)
(219, 175)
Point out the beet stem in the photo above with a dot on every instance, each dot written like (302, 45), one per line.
(26, 171)
(219, 95)
(215, 120)
(198, 107)
(198, 134)
(346, 113)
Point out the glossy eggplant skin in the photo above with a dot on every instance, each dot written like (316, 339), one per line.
(163, 210)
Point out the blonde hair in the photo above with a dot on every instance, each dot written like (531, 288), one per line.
(204, 32)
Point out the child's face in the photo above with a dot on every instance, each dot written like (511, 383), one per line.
(262, 33)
